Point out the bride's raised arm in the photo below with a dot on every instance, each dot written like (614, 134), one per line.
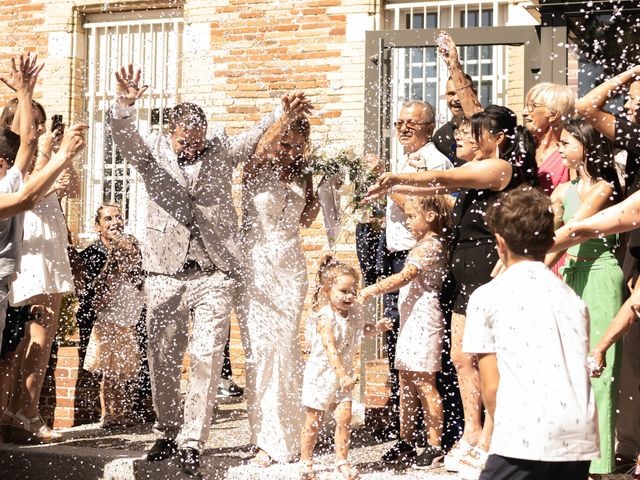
(295, 105)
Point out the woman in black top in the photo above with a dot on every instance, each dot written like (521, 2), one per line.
(504, 159)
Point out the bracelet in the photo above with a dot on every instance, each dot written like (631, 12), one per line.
(463, 87)
(45, 155)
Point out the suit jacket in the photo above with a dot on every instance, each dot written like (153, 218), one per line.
(173, 205)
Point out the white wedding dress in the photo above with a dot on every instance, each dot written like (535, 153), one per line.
(271, 301)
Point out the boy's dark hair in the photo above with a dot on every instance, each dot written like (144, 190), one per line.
(524, 218)
(188, 116)
(9, 145)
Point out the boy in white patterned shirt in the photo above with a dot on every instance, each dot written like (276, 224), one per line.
(530, 332)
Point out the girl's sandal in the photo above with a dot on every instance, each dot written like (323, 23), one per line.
(306, 471)
(347, 471)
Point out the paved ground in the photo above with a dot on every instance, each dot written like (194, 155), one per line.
(89, 452)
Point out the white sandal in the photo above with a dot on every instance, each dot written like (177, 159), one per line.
(26, 430)
(347, 471)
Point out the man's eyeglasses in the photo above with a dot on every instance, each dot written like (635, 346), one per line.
(412, 124)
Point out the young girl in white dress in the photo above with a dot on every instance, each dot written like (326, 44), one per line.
(335, 331)
(113, 348)
(419, 347)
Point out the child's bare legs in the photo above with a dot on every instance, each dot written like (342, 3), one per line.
(469, 381)
(409, 404)
(310, 432)
(425, 386)
(342, 416)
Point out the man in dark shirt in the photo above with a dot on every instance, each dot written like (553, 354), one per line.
(109, 224)
(443, 137)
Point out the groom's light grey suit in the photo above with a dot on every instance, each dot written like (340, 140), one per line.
(181, 202)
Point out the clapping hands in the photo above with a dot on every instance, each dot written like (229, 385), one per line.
(128, 88)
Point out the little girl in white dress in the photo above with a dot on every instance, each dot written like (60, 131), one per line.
(335, 331)
(419, 346)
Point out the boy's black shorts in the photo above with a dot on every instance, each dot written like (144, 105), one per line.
(505, 468)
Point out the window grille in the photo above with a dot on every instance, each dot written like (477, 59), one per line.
(150, 40)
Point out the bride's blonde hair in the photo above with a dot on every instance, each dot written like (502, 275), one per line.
(330, 268)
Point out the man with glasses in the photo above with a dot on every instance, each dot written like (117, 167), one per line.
(414, 129)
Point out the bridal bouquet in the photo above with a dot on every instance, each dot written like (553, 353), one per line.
(330, 160)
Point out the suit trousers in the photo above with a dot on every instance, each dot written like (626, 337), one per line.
(206, 298)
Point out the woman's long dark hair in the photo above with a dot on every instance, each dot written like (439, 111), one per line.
(598, 153)
(519, 146)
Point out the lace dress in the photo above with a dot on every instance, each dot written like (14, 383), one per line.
(419, 347)
(274, 285)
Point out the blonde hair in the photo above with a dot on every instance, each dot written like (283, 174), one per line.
(329, 270)
(442, 225)
(558, 99)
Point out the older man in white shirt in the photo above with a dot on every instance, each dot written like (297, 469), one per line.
(414, 128)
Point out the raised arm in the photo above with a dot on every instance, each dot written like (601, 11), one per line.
(618, 218)
(466, 94)
(22, 78)
(591, 106)
(294, 106)
(493, 174)
(39, 183)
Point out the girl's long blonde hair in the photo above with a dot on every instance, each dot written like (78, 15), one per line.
(330, 268)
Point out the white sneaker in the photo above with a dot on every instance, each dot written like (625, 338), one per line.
(472, 463)
(453, 457)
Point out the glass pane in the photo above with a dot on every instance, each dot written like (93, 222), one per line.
(416, 91)
(418, 20)
(416, 71)
(486, 52)
(416, 55)
(487, 18)
(431, 93)
(432, 20)
(486, 92)
(430, 53)
(487, 69)
(471, 69)
(431, 71)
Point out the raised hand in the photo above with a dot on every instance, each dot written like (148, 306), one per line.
(73, 141)
(128, 88)
(296, 105)
(23, 74)
(447, 48)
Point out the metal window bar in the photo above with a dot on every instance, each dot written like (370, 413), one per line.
(153, 44)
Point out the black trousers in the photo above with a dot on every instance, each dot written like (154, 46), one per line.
(505, 468)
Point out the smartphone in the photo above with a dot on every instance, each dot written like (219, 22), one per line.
(56, 123)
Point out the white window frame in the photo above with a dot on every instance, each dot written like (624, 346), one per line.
(152, 41)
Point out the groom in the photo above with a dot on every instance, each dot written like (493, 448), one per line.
(191, 255)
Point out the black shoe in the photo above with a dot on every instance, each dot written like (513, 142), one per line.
(190, 461)
(401, 452)
(429, 458)
(227, 388)
(162, 449)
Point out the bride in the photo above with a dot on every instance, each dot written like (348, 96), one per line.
(277, 199)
